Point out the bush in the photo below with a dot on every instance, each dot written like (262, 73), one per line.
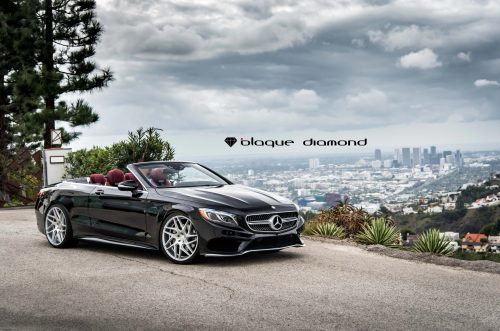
(328, 230)
(141, 145)
(431, 242)
(352, 219)
(379, 232)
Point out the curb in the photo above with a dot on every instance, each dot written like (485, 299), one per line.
(481, 265)
(20, 207)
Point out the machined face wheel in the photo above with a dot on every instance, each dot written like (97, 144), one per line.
(179, 238)
(55, 226)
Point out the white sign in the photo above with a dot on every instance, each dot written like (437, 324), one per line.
(56, 137)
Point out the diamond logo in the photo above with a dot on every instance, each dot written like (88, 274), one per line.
(230, 141)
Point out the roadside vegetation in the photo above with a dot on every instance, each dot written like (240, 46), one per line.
(379, 231)
(431, 242)
(345, 221)
(140, 146)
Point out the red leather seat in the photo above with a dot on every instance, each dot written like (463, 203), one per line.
(114, 177)
(130, 176)
(97, 179)
(159, 178)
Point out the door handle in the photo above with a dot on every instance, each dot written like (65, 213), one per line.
(99, 192)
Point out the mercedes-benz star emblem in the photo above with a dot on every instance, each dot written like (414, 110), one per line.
(276, 222)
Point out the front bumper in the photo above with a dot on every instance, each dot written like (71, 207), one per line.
(219, 240)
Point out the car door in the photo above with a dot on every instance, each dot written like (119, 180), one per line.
(118, 214)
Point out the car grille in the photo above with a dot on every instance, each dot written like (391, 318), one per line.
(260, 222)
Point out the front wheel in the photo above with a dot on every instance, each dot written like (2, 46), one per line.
(179, 239)
(58, 227)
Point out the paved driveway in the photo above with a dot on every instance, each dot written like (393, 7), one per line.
(320, 286)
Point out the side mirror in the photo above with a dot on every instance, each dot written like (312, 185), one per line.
(128, 185)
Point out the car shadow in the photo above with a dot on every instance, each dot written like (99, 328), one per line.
(139, 254)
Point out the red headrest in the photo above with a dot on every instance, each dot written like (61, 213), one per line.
(159, 177)
(115, 176)
(130, 176)
(97, 179)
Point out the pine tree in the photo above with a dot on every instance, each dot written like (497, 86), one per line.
(19, 81)
(71, 33)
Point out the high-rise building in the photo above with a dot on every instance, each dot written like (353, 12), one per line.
(378, 154)
(397, 154)
(397, 161)
(313, 163)
(427, 159)
(416, 157)
(446, 153)
(459, 160)
(406, 157)
(433, 158)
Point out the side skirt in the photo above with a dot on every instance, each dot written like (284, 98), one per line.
(115, 242)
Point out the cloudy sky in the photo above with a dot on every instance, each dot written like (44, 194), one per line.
(400, 73)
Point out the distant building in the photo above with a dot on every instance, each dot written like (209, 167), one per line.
(332, 199)
(397, 156)
(416, 157)
(251, 172)
(378, 154)
(388, 163)
(451, 236)
(475, 242)
(313, 163)
(494, 243)
(427, 159)
(406, 157)
(459, 160)
(377, 164)
(433, 157)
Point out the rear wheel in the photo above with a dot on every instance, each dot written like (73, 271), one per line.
(179, 239)
(58, 227)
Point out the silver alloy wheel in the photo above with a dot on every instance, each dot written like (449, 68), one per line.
(55, 226)
(179, 238)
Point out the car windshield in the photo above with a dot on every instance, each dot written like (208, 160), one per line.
(179, 174)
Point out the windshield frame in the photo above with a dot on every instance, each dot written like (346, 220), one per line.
(143, 179)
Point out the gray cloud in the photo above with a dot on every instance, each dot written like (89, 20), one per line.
(251, 66)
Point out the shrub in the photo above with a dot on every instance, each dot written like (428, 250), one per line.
(431, 242)
(328, 230)
(379, 232)
(141, 145)
(352, 219)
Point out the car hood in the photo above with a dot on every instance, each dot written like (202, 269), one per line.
(235, 196)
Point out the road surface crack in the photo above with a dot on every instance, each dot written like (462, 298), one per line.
(207, 282)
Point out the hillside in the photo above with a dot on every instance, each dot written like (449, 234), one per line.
(470, 220)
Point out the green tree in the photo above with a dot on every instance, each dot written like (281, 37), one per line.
(491, 229)
(19, 81)
(71, 33)
(141, 145)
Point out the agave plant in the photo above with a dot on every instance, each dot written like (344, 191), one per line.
(379, 232)
(328, 230)
(431, 242)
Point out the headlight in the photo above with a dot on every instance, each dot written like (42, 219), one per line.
(218, 217)
(297, 207)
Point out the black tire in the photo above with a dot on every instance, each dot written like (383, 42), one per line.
(67, 240)
(171, 240)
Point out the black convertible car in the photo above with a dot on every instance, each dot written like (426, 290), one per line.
(182, 208)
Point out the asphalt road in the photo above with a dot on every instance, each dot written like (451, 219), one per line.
(320, 286)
